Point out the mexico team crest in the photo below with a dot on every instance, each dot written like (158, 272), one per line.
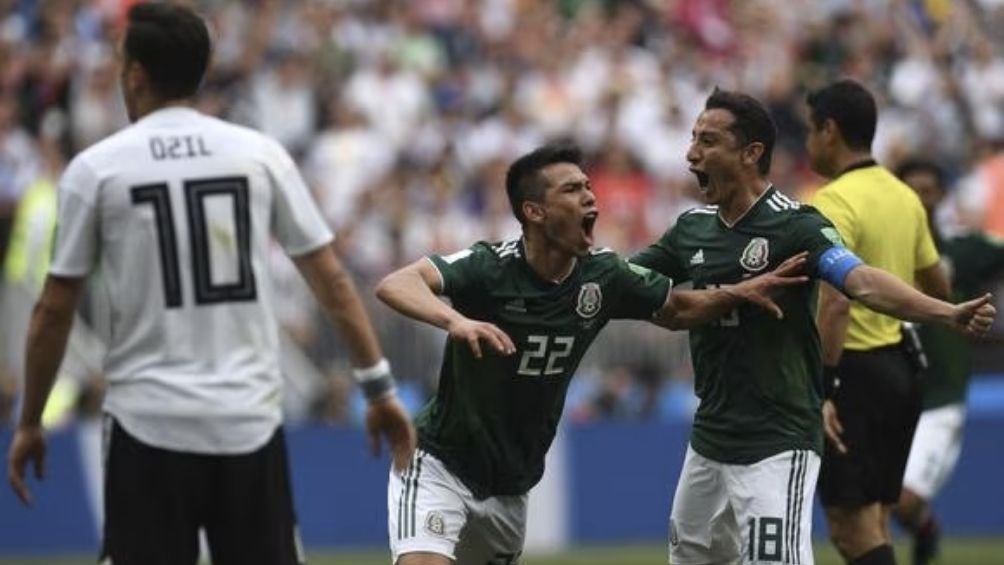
(755, 255)
(435, 524)
(589, 301)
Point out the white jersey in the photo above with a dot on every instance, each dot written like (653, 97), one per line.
(176, 212)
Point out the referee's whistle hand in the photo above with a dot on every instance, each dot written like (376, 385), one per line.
(28, 445)
(832, 426)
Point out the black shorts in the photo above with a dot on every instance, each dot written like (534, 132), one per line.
(157, 500)
(878, 402)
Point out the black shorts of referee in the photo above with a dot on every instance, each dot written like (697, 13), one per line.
(878, 403)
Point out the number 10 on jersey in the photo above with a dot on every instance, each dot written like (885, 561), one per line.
(196, 192)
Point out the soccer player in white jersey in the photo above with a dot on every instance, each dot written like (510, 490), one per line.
(176, 211)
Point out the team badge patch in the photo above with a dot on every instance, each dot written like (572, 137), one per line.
(435, 524)
(755, 255)
(832, 235)
(589, 301)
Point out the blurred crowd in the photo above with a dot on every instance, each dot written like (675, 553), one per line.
(404, 115)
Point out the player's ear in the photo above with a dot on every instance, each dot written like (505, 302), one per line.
(752, 153)
(134, 75)
(829, 130)
(533, 211)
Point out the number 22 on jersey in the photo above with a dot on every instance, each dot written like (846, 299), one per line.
(545, 355)
(201, 197)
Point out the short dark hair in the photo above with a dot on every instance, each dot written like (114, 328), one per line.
(171, 43)
(752, 122)
(851, 107)
(523, 180)
(916, 165)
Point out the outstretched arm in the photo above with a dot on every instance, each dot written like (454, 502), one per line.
(887, 294)
(48, 332)
(685, 309)
(334, 289)
(413, 291)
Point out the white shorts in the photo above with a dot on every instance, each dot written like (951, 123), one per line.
(759, 513)
(935, 450)
(430, 510)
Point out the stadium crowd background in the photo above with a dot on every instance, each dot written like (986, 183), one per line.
(404, 115)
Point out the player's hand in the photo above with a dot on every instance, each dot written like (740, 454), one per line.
(757, 290)
(473, 332)
(975, 317)
(832, 426)
(28, 445)
(387, 417)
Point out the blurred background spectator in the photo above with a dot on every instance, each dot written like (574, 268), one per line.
(404, 115)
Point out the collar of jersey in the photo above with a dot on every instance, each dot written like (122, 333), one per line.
(863, 164)
(168, 114)
(756, 203)
(539, 281)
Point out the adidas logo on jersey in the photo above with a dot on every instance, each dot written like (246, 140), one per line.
(516, 305)
(698, 258)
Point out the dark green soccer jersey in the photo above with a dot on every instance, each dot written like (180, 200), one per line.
(759, 379)
(974, 260)
(492, 420)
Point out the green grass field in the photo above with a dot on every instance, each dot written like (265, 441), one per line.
(967, 551)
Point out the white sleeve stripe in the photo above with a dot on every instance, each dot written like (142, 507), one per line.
(442, 281)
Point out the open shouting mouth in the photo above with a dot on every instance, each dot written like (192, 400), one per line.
(588, 223)
(702, 177)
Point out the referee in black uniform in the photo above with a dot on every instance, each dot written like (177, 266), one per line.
(870, 373)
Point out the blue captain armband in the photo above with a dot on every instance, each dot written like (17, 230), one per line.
(835, 264)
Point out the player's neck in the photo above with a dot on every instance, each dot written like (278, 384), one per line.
(550, 264)
(741, 199)
(147, 106)
(848, 159)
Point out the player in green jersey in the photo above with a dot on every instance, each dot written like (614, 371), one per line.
(745, 490)
(523, 314)
(973, 258)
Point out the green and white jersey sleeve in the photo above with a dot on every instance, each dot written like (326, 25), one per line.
(662, 257)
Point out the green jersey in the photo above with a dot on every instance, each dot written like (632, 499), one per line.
(493, 419)
(759, 379)
(974, 259)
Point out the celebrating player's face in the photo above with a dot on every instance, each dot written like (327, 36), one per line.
(715, 153)
(569, 208)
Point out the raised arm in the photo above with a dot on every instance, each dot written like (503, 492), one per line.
(334, 289)
(413, 291)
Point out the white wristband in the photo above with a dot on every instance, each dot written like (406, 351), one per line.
(376, 382)
(380, 369)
